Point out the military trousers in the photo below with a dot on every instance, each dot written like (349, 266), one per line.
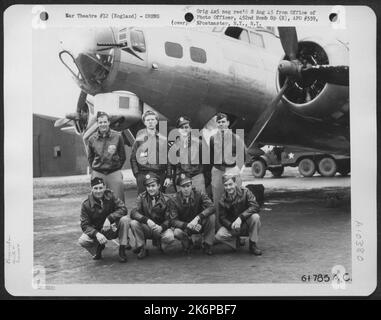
(207, 231)
(249, 227)
(91, 244)
(142, 232)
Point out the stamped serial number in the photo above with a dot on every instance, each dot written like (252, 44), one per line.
(316, 277)
(321, 278)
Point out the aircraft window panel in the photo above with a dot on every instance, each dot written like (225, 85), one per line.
(257, 39)
(174, 50)
(122, 36)
(238, 33)
(137, 41)
(198, 54)
(124, 102)
(244, 36)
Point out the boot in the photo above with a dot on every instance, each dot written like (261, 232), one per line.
(207, 248)
(136, 250)
(187, 244)
(98, 253)
(122, 254)
(239, 242)
(142, 253)
(253, 249)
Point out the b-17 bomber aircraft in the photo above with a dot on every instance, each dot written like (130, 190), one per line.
(280, 89)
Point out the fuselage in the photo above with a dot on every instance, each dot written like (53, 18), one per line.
(196, 73)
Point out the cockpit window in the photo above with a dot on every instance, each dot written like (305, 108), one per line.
(237, 33)
(137, 41)
(122, 35)
(257, 39)
(244, 36)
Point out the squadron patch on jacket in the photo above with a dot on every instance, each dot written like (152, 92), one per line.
(111, 149)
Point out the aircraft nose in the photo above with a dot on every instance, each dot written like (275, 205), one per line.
(88, 54)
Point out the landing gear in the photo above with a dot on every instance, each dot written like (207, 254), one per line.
(327, 167)
(258, 169)
(307, 167)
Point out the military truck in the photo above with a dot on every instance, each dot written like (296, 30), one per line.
(276, 158)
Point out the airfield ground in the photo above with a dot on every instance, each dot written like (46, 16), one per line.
(305, 230)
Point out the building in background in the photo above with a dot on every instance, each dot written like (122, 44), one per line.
(56, 152)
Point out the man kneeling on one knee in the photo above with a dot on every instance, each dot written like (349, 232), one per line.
(103, 217)
(192, 212)
(151, 217)
(238, 215)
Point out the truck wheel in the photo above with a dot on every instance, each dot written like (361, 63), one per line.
(277, 172)
(327, 167)
(258, 168)
(307, 167)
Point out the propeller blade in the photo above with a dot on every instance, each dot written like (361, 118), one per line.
(70, 130)
(267, 114)
(81, 100)
(61, 122)
(72, 116)
(289, 40)
(332, 74)
(85, 146)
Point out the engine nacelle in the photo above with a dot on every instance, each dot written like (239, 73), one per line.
(124, 109)
(316, 98)
(122, 106)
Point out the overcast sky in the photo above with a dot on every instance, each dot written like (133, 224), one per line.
(54, 91)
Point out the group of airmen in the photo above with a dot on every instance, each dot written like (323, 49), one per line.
(162, 217)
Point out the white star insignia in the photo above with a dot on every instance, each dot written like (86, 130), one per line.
(291, 155)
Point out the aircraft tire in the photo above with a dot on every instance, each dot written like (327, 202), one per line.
(307, 167)
(327, 167)
(258, 169)
(277, 172)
